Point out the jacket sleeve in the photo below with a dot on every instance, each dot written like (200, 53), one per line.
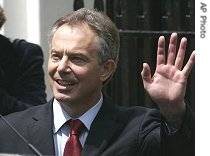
(29, 87)
(179, 142)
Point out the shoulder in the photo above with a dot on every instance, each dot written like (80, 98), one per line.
(138, 116)
(28, 48)
(141, 116)
(129, 111)
(29, 115)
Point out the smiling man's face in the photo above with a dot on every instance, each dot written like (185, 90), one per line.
(75, 74)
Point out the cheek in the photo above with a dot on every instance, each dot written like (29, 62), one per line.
(90, 75)
(50, 70)
(52, 67)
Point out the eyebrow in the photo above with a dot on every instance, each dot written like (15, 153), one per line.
(54, 50)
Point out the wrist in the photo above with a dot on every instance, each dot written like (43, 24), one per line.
(174, 113)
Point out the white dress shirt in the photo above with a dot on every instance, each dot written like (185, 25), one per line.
(61, 131)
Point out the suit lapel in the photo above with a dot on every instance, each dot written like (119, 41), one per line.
(41, 131)
(104, 129)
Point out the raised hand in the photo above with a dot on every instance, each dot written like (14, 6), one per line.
(167, 86)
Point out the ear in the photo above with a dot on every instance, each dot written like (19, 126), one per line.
(108, 70)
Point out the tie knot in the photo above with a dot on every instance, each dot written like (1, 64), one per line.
(76, 127)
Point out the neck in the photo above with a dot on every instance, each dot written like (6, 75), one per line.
(76, 110)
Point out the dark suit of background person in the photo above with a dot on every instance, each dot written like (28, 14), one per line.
(21, 75)
(77, 79)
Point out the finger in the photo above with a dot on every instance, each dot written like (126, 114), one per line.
(172, 49)
(161, 51)
(187, 68)
(146, 73)
(181, 54)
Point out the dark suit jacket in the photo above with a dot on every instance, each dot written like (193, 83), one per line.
(22, 82)
(116, 131)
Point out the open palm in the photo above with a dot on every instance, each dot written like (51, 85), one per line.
(167, 86)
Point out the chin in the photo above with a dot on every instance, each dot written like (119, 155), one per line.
(62, 97)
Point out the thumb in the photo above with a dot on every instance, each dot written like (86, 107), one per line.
(146, 73)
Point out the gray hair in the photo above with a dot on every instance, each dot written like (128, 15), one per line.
(108, 35)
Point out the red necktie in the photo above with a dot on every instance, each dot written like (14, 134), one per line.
(73, 146)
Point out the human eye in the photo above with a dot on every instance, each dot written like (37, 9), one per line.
(79, 60)
(55, 56)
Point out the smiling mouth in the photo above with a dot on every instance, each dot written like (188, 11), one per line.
(65, 83)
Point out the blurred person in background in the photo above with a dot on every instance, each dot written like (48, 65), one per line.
(22, 82)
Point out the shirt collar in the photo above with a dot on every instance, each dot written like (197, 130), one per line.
(60, 116)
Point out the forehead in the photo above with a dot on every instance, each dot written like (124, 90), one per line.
(82, 34)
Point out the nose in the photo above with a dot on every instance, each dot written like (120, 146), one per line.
(63, 65)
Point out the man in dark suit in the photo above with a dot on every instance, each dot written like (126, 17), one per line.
(84, 49)
(22, 82)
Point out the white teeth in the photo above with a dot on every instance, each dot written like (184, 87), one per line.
(62, 82)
